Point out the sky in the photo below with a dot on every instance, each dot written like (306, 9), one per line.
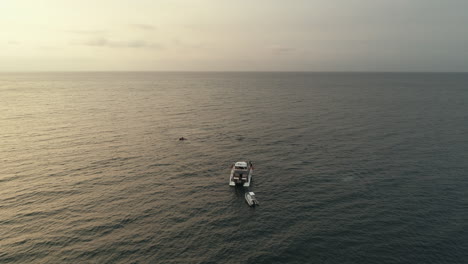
(233, 35)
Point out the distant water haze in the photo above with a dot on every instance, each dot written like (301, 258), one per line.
(242, 35)
(349, 167)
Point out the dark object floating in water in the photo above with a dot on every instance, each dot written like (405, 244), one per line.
(182, 138)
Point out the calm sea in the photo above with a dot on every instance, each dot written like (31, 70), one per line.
(349, 167)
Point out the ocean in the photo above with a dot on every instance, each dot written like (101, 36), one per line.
(349, 167)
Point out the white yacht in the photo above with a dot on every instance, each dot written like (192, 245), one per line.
(241, 174)
(250, 199)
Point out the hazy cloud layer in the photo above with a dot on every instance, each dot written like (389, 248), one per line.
(87, 32)
(305, 35)
(143, 27)
(279, 50)
(104, 42)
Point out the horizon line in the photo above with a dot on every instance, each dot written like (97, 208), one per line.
(217, 71)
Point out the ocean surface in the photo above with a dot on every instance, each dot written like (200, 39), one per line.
(349, 167)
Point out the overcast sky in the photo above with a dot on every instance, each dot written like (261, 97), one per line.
(241, 35)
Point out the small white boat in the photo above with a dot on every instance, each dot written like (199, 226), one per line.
(250, 199)
(241, 174)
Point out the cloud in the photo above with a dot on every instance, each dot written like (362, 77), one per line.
(87, 32)
(104, 42)
(51, 48)
(279, 50)
(143, 27)
(184, 44)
